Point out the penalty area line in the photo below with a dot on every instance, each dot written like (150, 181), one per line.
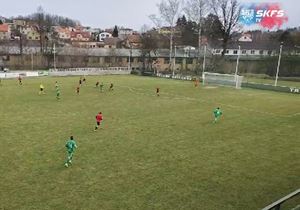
(178, 97)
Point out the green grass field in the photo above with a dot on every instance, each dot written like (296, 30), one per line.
(153, 152)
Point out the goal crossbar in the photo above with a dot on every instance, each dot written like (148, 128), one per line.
(222, 79)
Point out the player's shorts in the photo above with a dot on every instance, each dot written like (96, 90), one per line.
(70, 152)
(98, 123)
(41, 89)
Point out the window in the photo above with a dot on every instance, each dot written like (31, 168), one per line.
(95, 59)
(244, 51)
(227, 51)
(119, 59)
(235, 52)
(218, 51)
(107, 59)
(140, 59)
(131, 59)
(269, 52)
(261, 52)
(178, 60)
(189, 61)
(252, 52)
(166, 60)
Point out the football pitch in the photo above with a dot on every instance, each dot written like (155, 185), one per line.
(152, 152)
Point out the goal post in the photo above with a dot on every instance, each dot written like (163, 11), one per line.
(222, 79)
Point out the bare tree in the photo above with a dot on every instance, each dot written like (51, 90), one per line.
(16, 32)
(43, 27)
(40, 20)
(169, 11)
(228, 12)
(148, 46)
(196, 10)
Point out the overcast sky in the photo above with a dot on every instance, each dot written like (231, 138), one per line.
(107, 13)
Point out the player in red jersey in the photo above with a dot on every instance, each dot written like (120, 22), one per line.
(80, 81)
(99, 118)
(77, 90)
(20, 80)
(196, 82)
(111, 87)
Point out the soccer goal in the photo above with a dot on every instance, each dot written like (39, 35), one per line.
(222, 79)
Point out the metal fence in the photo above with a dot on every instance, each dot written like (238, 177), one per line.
(88, 71)
(284, 89)
(177, 76)
(277, 204)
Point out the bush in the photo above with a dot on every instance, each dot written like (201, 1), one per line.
(135, 72)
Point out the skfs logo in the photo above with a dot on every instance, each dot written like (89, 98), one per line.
(269, 13)
(266, 15)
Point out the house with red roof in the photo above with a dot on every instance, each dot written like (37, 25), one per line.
(133, 41)
(31, 32)
(63, 33)
(80, 36)
(4, 32)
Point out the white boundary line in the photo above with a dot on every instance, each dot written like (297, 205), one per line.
(177, 97)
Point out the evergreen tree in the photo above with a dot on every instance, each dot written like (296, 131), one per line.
(115, 32)
(181, 21)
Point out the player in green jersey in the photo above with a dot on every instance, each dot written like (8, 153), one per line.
(71, 146)
(101, 86)
(42, 91)
(217, 114)
(57, 93)
(56, 85)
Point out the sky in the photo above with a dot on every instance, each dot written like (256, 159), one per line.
(107, 13)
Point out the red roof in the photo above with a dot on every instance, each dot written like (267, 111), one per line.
(62, 30)
(134, 38)
(83, 34)
(3, 28)
(112, 40)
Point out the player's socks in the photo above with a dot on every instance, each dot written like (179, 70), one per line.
(66, 165)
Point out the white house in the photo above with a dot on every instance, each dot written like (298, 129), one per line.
(104, 35)
(125, 31)
(245, 38)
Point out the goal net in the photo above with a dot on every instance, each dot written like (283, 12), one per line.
(222, 79)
